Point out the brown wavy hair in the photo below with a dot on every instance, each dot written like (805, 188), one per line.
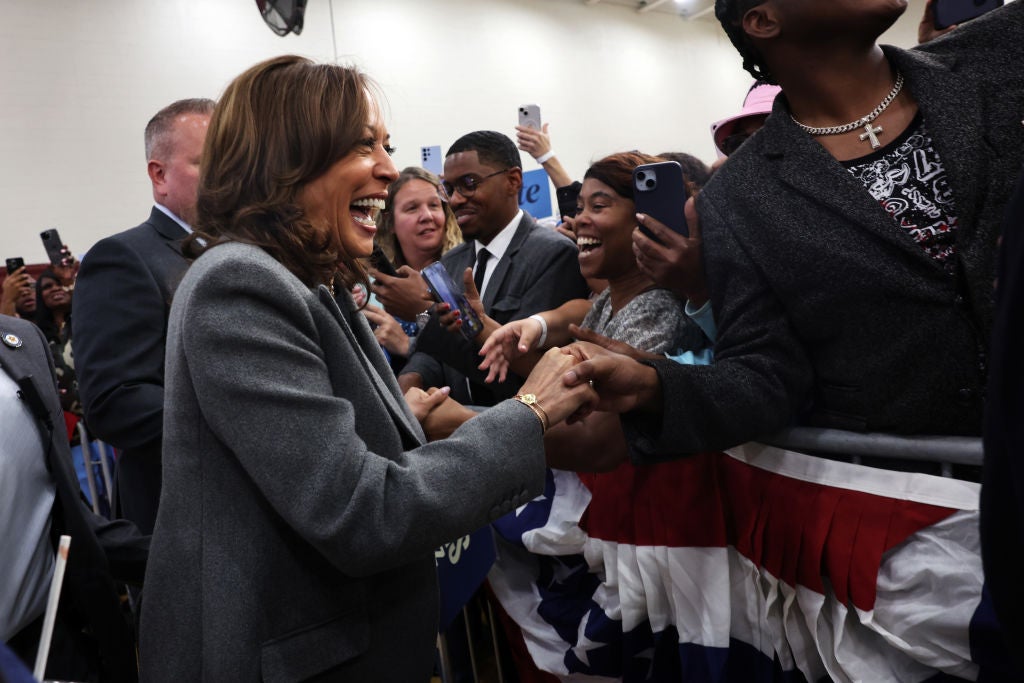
(279, 126)
(386, 237)
(616, 170)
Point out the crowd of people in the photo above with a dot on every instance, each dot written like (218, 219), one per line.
(299, 424)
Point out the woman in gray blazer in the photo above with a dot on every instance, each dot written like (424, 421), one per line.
(301, 506)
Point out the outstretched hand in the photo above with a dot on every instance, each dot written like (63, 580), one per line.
(509, 342)
(67, 270)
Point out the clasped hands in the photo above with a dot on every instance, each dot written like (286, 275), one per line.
(569, 383)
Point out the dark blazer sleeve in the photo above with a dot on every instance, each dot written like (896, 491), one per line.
(427, 367)
(1002, 490)
(119, 331)
(761, 375)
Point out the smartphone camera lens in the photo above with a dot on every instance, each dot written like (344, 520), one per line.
(649, 183)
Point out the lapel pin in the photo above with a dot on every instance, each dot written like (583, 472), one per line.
(12, 340)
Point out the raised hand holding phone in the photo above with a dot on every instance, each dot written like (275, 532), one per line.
(529, 116)
(659, 191)
(948, 13)
(56, 250)
(444, 290)
(672, 260)
(15, 264)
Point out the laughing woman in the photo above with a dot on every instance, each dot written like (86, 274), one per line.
(300, 506)
(564, 533)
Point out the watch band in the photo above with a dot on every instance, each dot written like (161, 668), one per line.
(423, 318)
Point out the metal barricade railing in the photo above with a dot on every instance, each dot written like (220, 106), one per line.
(944, 450)
(89, 462)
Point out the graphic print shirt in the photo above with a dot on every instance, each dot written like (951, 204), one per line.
(908, 179)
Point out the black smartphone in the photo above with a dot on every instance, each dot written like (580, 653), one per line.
(53, 245)
(567, 197)
(660, 192)
(444, 290)
(950, 12)
(380, 262)
(13, 264)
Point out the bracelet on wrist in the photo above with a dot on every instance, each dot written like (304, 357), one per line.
(543, 330)
(530, 401)
(545, 157)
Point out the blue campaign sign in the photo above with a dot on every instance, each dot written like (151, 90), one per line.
(535, 197)
(462, 566)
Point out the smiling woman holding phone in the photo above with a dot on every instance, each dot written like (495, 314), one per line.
(301, 505)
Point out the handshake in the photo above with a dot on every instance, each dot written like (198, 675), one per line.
(566, 384)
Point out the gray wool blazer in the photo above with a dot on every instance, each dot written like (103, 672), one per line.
(828, 314)
(300, 506)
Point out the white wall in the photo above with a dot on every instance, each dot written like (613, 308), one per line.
(79, 79)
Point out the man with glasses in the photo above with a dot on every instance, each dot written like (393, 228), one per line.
(519, 268)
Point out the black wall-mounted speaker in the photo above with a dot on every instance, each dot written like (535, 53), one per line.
(283, 16)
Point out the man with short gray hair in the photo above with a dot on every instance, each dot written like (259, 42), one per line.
(122, 299)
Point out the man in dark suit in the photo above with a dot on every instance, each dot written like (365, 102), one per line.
(122, 300)
(40, 500)
(1002, 490)
(837, 305)
(519, 268)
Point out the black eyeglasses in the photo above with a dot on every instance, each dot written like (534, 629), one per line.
(468, 184)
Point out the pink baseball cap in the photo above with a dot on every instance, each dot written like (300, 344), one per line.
(758, 102)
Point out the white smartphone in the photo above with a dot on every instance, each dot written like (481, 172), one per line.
(529, 116)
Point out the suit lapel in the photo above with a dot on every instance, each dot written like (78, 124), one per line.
(173, 233)
(955, 124)
(369, 353)
(504, 263)
(807, 168)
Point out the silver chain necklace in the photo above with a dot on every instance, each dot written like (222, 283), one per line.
(870, 133)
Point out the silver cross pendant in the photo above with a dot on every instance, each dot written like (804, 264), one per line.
(870, 132)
